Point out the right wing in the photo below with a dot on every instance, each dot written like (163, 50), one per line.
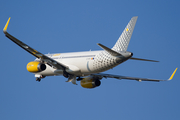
(34, 52)
(101, 75)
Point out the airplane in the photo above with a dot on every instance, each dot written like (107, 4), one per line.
(86, 67)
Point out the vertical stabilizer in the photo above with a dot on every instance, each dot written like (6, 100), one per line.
(123, 41)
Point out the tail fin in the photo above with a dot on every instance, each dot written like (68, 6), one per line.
(123, 41)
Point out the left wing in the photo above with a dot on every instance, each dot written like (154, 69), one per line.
(101, 75)
(34, 52)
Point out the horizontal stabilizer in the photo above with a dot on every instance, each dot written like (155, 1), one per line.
(143, 59)
(110, 51)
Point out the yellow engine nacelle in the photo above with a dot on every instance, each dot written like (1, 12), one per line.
(35, 66)
(90, 82)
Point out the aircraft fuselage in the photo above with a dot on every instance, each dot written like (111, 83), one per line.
(84, 63)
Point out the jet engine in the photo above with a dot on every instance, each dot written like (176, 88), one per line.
(35, 66)
(90, 82)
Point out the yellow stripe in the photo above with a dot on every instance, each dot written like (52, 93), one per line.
(173, 74)
(5, 28)
(56, 54)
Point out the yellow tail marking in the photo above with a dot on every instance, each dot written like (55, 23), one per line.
(173, 74)
(5, 27)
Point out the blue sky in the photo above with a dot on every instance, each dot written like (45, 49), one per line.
(67, 26)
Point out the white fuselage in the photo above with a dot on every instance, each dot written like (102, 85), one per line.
(84, 63)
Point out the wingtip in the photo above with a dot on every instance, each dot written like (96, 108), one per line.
(173, 74)
(135, 17)
(6, 26)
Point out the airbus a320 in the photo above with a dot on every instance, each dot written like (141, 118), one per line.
(86, 67)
